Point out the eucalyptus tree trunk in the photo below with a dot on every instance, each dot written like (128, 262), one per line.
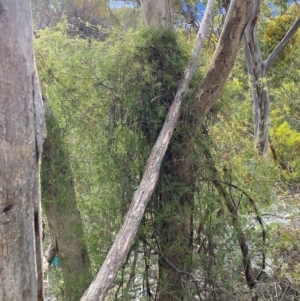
(257, 69)
(175, 205)
(59, 203)
(157, 13)
(21, 138)
(260, 96)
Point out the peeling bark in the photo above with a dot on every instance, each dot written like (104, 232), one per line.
(21, 139)
(260, 96)
(257, 68)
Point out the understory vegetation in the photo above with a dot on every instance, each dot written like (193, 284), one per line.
(110, 97)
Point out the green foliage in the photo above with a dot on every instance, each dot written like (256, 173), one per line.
(237, 160)
(69, 71)
(281, 4)
(286, 142)
(277, 28)
(110, 100)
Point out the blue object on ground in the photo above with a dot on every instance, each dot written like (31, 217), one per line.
(55, 261)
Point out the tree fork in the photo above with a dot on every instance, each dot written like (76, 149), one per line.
(258, 69)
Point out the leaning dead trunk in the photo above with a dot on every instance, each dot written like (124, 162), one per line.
(66, 229)
(21, 137)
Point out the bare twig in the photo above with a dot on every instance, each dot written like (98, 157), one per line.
(132, 273)
(260, 221)
(173, 266)
(233, 210)
(146, 275)
(114, 17)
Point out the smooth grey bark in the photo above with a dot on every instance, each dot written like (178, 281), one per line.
(257, 69)
(64, 220)
(108, 271)
(21, 139)
(157, 13)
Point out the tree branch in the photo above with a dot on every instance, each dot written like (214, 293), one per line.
(108, 271)
(223, 58)
(258, 217)
(233, 210)
(172, 265)
(260, 221)
(279, 48)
